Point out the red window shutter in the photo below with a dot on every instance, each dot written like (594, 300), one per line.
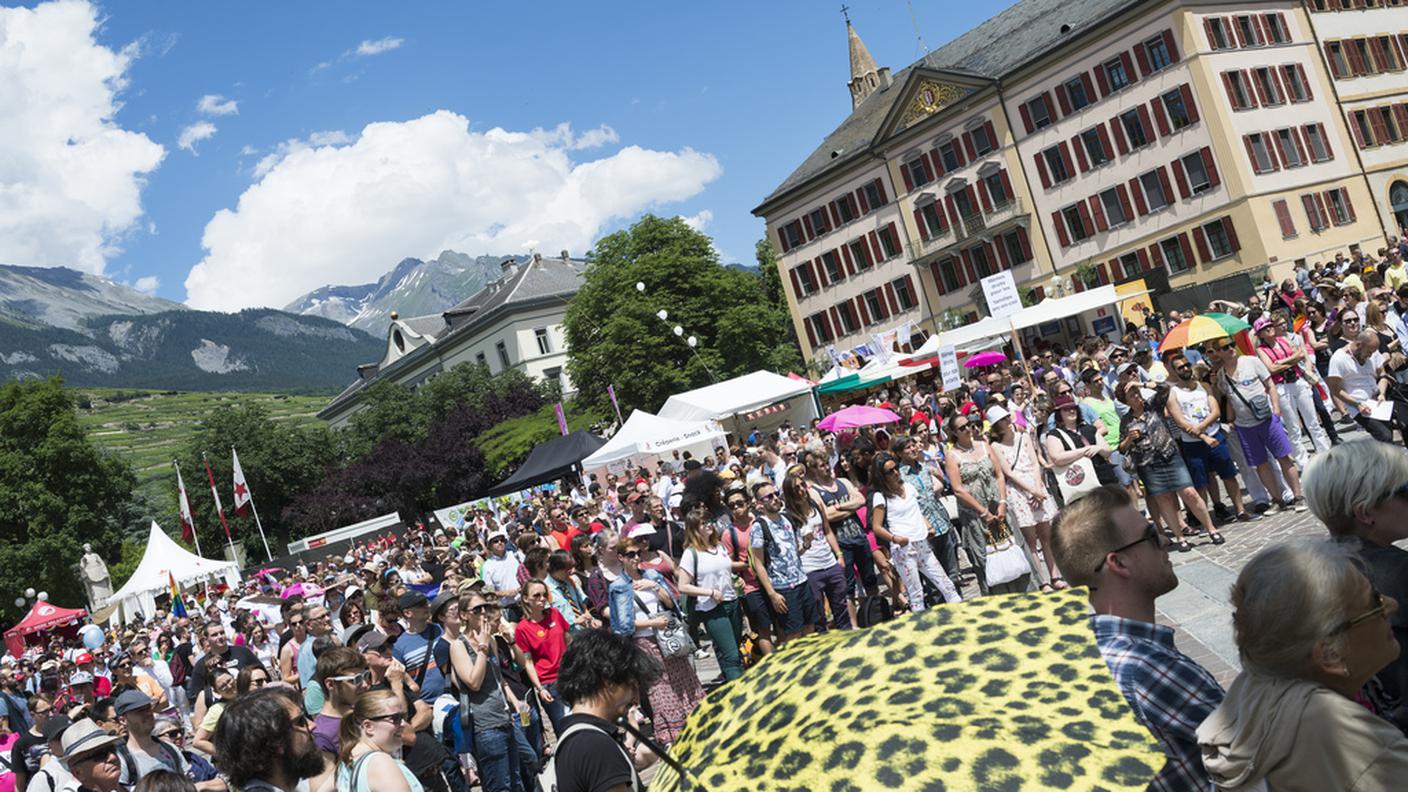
(1329, 150)
(1026, 118)
(968, 145)
(1232, 97)
(1348, 204)
(1230, 230)
(1025, 243)
(1066, 157)
(1079, 149)
(1376, 120)
(1089, 85)
(1102, 81)
(807, 227)
(1188, 102)
(969, 268)
(1260, 89)
(1128, 66)
(954, 219)
(992, 135)
(1041, 172)
(1309, 91)
(782, 239)
(1145, 122)
(983, 196)
(1251, 154)
(923, 226)
(1300, 144)
(1283, 218)
(811, 336)
(835, 324)
(1143, 256)
(1400, 117)
(1160, 116)
(818, 272)
(1141, 56)
(877, 252)
(1063, 100)
(1278, 85)
(1097, 212)
(1078, 283)
(972, 195)
(1356, 62)
(1007, 185)
(1259, 28)
(937, 161)
(1241, 37)
(1156, 256)
(864, 202)
(1050, 105)
(1105, 141)
(1212, 36)
(1170, 46)
(880, 192)
(796, 283)
(846, 255)
(890, 295)
(1104, 271)
(1088, 225)
(1059, 223)
(928, 168)
(1321, 210)
(1307, 201)
(1125, 207)
(1163, 182)
(1187, 249)
(1137, 192)
(1356, 129)
(1280, 146)
(1117, 127)
(835, 214)
(1210, 167)
(908, 281)
(1181, 178)
(908, 181)
(1002, 255)
(959, 275)
(862, 311)
(938, 277)
(1201, 240)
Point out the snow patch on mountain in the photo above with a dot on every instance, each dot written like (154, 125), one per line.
(16, 358)
(215, 358)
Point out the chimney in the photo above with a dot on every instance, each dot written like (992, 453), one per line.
(564, 256)
(509, 266)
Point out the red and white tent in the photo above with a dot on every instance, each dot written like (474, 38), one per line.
(43, 617)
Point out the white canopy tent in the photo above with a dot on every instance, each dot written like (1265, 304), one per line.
(741, 395)
(162, 561)
(644, 436)
(1048, 310)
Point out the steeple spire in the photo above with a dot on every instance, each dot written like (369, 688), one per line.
(866, 77)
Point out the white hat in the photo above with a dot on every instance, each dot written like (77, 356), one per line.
(996, 413)
(496, 534)
(84, 736)
(640, 530)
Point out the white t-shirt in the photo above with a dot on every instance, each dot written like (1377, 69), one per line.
(651, 601)
(902, 514)
(501, 574)
(711, 570)
(1248, 379)
(1360, 381)
(818, 555)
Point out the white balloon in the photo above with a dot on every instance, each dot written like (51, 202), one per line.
(29, 592)
(679, 331)
(663, 314)
(19, 602)
(692, 341)
(640, 286)
(43, 596)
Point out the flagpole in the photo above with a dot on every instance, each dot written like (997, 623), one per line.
(182, 486)
(255, 510)
(252, 508)
(220, 510)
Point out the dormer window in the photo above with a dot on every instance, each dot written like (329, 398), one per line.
(398, 340)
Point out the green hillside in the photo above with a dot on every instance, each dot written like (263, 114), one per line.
(149, 428)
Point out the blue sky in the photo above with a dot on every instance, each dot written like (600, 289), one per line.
(722, 99)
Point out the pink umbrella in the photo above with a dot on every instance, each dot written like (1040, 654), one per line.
(984, 359)
(856, 416)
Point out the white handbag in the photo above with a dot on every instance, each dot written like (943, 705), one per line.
(1004, 561)
(1074, 479)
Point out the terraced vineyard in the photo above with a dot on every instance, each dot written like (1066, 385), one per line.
(149, 427)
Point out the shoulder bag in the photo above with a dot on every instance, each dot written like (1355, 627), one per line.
(673, 639)
(1004, 561)
(1260, 405)
(1078, 477)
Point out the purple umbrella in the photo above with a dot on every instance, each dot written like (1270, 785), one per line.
(856, 416)
(984, 359)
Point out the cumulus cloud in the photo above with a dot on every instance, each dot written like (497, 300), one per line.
(347, 213)
(195, 133)
(700, 220)
(379, 46)
(72, 178)
(329, 137)
(147, 284)
(217, 105)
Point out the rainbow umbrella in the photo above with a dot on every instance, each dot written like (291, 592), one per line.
(1203, 327)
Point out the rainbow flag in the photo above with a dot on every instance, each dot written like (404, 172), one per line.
(178, 608)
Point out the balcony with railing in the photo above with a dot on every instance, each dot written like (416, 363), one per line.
(978, 225)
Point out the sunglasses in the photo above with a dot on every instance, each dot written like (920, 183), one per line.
(961, 427)
(771, 496)
(631, 554)
(395, 718)
(487, 607)
(1151, 534)
(96, 756)
(355, 679)
(735, 504)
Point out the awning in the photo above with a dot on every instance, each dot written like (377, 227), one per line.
(644, 435)
(550, 461)
(730, 397)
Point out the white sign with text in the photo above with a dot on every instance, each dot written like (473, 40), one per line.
(1000, 291)
(948, 367)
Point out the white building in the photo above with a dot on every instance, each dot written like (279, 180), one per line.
(514, 322)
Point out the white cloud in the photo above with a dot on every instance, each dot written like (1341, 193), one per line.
(193, 134)
(147, 284)
(215, 104)
(72, 177)
(346, 214)
(700, 220)
(248, 151)
(329, 137)
(379, 46)
(595, 138)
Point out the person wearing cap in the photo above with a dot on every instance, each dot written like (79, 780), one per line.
(424, 755)
(79, 692)
(568, 599)
(144, 753)
(51, 774)
(412, 647)
(102, 686)
(90, 753)
(125, 679)
(500, 571)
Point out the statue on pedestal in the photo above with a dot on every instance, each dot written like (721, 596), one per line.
(97, 581)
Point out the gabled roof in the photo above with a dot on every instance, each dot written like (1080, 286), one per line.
(996, 48)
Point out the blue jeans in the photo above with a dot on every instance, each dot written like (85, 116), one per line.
(555, 709)
(496, 753)
(528, 751)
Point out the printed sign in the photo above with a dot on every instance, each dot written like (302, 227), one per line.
(1000, 291)
(948, 367)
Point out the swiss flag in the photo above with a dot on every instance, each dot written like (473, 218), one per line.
(188, 522)
(242, 496)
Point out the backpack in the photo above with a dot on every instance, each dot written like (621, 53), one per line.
(128, 764)
(547, 777)
(873, 609)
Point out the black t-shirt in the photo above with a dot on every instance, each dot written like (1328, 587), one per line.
(26, 753)
(238, 656)
(590, 761)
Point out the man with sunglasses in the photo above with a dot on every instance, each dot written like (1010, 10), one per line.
(774, 555)
(500, 573)
(1245, 384)
(1103, 542)
(342, 673)
(91, 756)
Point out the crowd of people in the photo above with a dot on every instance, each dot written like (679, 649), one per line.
(562, 635)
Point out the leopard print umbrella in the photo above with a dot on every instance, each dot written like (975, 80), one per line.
(1000, 693)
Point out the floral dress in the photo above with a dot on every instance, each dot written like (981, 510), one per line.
(1020, 511)
(980, 479)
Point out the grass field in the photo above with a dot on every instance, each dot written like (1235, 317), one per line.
(149, 427)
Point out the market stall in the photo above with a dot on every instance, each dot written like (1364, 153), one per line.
(644, 438)
(162, 562)
(43, 619)
(761, 399)
(550, 461)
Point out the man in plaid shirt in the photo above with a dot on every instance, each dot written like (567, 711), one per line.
(1103, 542)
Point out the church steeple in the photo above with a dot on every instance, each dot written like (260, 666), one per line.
(866, 78)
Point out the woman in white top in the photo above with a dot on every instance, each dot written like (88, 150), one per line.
(895, 517)
(1030, 507)
(821, 554)
(705, 572)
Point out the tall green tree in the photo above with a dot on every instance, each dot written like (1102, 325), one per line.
(57, 491)
(617, 338)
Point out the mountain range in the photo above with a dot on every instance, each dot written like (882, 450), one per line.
(96, 332)
(413, 288)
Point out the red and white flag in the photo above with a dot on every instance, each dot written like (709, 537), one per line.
(188, 521)
(219, 509)
(242, 496)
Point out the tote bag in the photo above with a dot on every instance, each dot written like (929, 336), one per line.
(1005, 561)
(1077, 478)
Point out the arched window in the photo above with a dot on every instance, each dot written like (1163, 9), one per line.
(398, 340)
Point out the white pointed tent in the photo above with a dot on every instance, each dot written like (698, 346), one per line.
(162, 561)
(645, 437)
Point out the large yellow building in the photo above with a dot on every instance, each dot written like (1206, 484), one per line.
(1093, 142)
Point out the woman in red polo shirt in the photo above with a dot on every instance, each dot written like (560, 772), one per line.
(542, 635)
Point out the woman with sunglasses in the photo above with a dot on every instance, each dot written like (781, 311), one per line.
(222, 687)
(288, 656)
(640, 601)
(897, 519)
(372, 737)
(1311, 630)
(1030, 506)
(475, 680)
(543, 635)
(735, 537)
(1148, 444)
(1244, 384)
(976, 476)
(706, 572)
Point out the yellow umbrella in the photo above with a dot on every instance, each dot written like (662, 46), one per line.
(1001, 693)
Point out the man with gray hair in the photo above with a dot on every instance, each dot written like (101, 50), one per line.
(1357, 379)
(1104, 542)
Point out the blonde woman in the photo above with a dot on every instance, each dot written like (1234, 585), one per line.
(706, 573)
(372, 737)
(1030, 507)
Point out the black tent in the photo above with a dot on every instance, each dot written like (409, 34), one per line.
(550, 461)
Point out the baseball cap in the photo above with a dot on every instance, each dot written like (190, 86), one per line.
(412, 599)
(353, 634)
(1061, 402)
(641, 530)
(445, 597)
(371, 641)
(131, 700)
(997, 413)
(55, 726)
(1261, 324)
(692, 464)
(82, 658)
(80, 678)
